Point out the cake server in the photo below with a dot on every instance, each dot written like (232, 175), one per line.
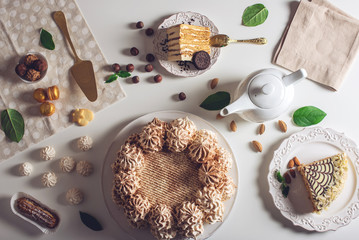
(222, 40)
(82, 70)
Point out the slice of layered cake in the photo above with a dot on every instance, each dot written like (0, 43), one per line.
(184, 40)
(324, 179)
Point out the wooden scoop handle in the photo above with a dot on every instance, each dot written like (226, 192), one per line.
(60, 20)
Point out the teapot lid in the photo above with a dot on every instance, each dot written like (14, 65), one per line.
(266, 91)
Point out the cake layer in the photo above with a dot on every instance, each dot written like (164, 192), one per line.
(324, 179)
(184, 40)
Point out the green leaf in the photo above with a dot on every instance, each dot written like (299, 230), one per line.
(307, 116)
(46, 39)
(123, 74)
(12, 124)
(216, 101)
(285, 190)
(278, 176)
(90, 221)
(254, 15)
(111, 78)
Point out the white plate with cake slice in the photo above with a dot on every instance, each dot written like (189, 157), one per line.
(182, 68)
(136, 125)
(310, 145)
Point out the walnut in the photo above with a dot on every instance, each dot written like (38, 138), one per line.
(21, 69)
(30, 59)
(32, 75)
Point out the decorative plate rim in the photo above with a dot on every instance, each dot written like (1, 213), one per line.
(172, 67)
(229, 204)
(313, 221)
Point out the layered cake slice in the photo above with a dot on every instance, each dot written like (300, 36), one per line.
(324, 179)
(184, 40)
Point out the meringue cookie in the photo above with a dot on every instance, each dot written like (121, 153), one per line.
(204, 146)
(84, 168)
(209, 199)
(209, 174)
(151, 136)
(162, 222)
(49, 179)
(84, 143)
(130, 157)
(136, 209)
(48, 153)
(25, 169)
(74, 196)
(190, 219)
(67, 164)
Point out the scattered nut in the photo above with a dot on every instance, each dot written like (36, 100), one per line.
(130, 67)
(233, 126)
(182, 96)
(82, 116)
(139, 24)
(261, 129)
(53, 93)
(116, 67)
(157, 78)
(219, 116)
(290, 164)
(287, 178)
(296, 161)
(214, 83)
(257, 146)
(292, 173)
(136, 79)
(150, 57)
(134, 51)
(47, 109)
(148, 68)
(282, 126)
(40, 95)
(149, 31)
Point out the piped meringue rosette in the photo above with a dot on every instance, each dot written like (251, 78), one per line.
(166, 156)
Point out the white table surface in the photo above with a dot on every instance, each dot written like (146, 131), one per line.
(254, 215)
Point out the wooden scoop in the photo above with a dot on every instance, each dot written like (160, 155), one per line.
(82, 71)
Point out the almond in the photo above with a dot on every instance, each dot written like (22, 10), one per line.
(233, 126)
(214, 83)
(282, 126)
(296, 161)
(287, 178)
(290, 164)
(262, 129)
(257, 146)
(219, 116)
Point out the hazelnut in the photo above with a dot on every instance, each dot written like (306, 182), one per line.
(53, 93)
(182, 96)
(136, 79)
(32, 75)
(30, 59)
(149, 31)
(130, 67)
(149, 68)
(40, 65)
(21, 69)
(157, 78)
(139, 24)
(116, 67)
(40, 95)
(47, 109)
(134, 51)
(150, 57)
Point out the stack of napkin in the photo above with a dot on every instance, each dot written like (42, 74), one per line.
(321, 39)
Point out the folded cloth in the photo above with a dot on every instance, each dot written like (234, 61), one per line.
(322, 39)
(20, 24)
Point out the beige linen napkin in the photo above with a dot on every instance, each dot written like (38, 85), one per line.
(322, 39)
(20, 24)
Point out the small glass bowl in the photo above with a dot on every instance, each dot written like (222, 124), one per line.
(39, 56)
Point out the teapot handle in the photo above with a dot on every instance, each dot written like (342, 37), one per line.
(294, 77)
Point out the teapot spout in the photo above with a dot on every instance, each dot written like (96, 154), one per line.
(294, 77)
(241, 104)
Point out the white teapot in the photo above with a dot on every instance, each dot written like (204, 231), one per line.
(264, 95)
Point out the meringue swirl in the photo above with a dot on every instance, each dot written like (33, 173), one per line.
(204, 146)
(226, 187)
(162, 222)
(224, 159)
(209, 200)
(125, 184)
(209, 174)
(180, 134)
(190, 219)
(130, 157)
(151, 137)
(136, 209)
